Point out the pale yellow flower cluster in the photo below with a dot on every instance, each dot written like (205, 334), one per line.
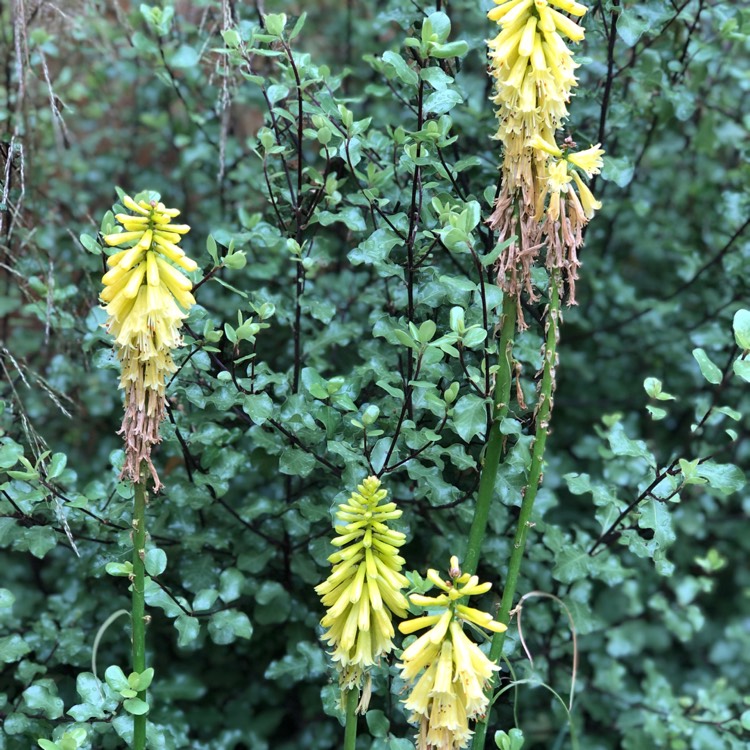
(534, 75)
(449, 672)
(543, 199)
(147, 298)
(365, 586)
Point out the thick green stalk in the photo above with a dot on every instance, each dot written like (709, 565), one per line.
(494, 446)
(350, 732)
(139, 604)
(544, 410)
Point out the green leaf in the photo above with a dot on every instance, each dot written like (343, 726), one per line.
(258, 407)
(655, 515)
(275, 23)
(622, 445)
(231, 582)
(296, 462)
(438, 25)
(426, 331)
(155, 562)
(653, 388)
(619, 170)
(726, 478)
(12, 648)
(143, 680)
(135, 706)
(188, 627)
(119, 569)
(440, 102)
(494, 254)
(42, 698)
(351, 216)
(377, 723)
(184, 57)
(40, 540)
(656, 412)
(56, 465)
(741, 368)
(298, 26)
(451, 49)
(48, 745)
(226, 626)
(205, 599)
(116, 678)
(741, 326)
(403, 72)
(89, 688)
(470, 417)
(7, 597)
(709, 370)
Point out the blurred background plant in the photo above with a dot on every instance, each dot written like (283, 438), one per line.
(345, 328)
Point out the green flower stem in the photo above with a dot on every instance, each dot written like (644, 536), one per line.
(544, 410)
(500, 403)
(139, 604)
(350, 732)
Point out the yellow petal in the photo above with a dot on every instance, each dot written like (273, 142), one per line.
(128, 202)
(120, 238)
(411, 626)
(527, 39)
(135, 281)
(152, 269)
(172, 277)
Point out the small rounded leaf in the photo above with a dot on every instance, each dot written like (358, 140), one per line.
(741, 325)
(156, 562)
(135, 706)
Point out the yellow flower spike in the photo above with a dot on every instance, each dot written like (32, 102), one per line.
(449, 673)
(144, 295)
(365, 587)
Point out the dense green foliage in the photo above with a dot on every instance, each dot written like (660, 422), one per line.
(335, 178)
